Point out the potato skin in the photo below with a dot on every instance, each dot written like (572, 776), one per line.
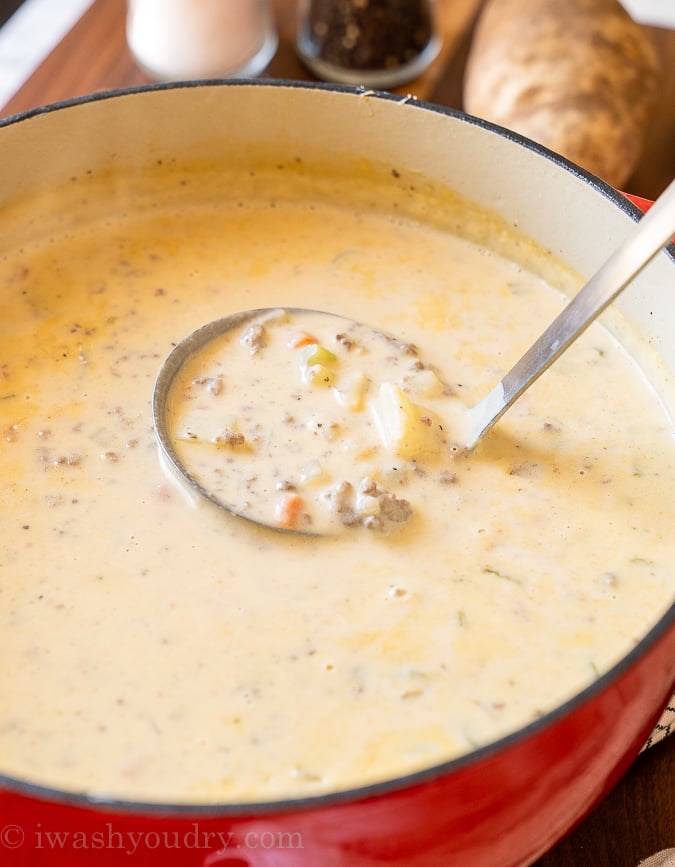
(578, 76)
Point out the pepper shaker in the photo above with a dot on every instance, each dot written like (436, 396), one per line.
(375, 43)
(185, 39)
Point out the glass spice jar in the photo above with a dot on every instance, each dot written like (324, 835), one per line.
(375, 43)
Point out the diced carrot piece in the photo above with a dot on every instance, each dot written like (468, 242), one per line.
(301, 338)
(288, 511)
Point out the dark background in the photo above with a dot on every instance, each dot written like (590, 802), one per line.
(7, 8)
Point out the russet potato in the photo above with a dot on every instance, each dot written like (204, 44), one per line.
(578, 76)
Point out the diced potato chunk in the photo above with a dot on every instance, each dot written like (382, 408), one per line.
(423, 383)
(367, 505)
(350, 392)
(312, 473)
(410, 431)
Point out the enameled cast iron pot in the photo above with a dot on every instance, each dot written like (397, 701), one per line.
(503, 805)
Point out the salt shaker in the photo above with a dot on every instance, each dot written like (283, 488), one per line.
(376, 43)
(185, 39)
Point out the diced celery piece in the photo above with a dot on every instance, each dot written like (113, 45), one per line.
(410, 431)
(314, 353)
(315, 363)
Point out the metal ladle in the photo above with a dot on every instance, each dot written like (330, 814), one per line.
(651, 234)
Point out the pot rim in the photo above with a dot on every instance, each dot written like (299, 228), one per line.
(434, 772)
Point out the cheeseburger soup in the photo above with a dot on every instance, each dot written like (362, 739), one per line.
(335, 434)
(157, 647)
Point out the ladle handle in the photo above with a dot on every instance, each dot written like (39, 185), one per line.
(653, 232)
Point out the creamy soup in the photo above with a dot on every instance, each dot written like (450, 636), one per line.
(308, 422)
(157, 647)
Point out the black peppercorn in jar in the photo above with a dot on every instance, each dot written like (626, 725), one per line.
(376, 43)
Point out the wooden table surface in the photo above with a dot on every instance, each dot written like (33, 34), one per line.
(638, 818)
(94, 56)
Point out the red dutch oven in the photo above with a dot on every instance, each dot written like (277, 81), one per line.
(503, 805)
